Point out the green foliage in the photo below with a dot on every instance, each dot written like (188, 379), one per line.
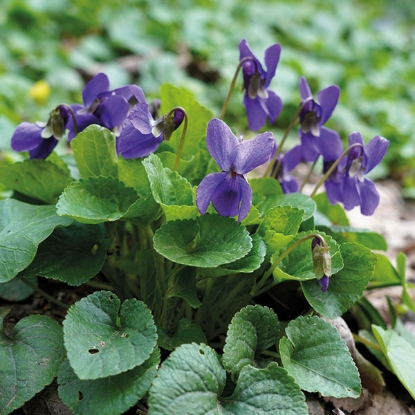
(176, 280)
(29, 359)
(317, 357)
(104, 338)
(22, 228)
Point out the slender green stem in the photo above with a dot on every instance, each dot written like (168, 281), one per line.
(232, 86)
(271, 353)
(183, 137)
(366, 342)
(274, 265)
(283, 139)
(44, 294)
(308, 175)
(333, 167)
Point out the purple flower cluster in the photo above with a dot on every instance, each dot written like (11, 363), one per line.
(123, 110)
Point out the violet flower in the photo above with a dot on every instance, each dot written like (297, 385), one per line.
(356, 189)
(315, 139)
(102, 106)
(285, 163)
(229, 190)
(142, 134)
(39, 139)
(259, 101)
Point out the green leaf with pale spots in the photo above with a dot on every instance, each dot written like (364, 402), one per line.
(110, 395)
(104, 338)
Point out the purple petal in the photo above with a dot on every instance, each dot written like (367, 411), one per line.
(328, 98)
(232, 197)
(369, 197)
(272, 105)
(257, 117)
(355, 138)
(292, 158)
(26, 136)
(97, 85)
(206, 189)
(141, 118)
(272, 56)
(245, 198)
(221, 143)
(133, 144)
(324, 283)
(374, 152)
(333, 191)
(329, 144)
(44, 149)
(130, 91)
(308, 147)
(253, 153)
(289, 184)
(305, 91)
(244, 49)
(83, 120)
(351, 196)
(113, 111)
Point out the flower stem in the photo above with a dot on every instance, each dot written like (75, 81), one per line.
(232, 86)
(283, 139)
(257, 287)
(183, 137)
(366, 342)
(305, 181)
(333, 167)
(44, 294)
(75, 125)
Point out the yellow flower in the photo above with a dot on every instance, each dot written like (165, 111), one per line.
(40, 92)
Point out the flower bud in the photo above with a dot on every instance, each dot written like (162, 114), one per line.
(56, 124)
(321, 262)
(168, 123)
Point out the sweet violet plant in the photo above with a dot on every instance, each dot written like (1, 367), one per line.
(195, 244)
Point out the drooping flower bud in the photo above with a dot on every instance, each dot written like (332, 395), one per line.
(321, 262)
(56, 124)
(168, 123)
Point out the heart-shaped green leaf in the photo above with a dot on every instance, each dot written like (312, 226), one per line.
(96, 200)
(106, 396)
(103, 339)
(317, 357)
(81, 250)
(94, 151)
(252, 330)
(207, 241)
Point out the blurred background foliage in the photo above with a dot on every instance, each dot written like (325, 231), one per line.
(50, 49)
